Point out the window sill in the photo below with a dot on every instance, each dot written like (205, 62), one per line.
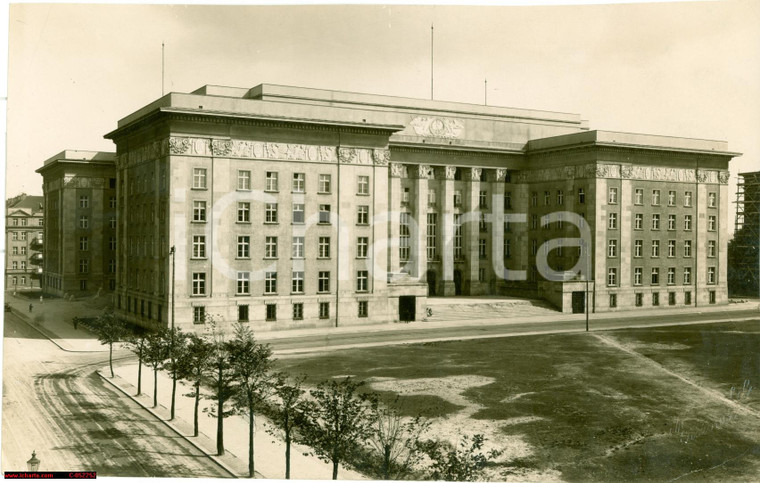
(194, 189)
(268, 294)
(198, 258)
(243, 222)
(297, 222)
(200, 222)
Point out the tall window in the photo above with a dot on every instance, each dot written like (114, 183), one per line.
(711, 223)
(298, 311)
(362, 215)
(243, 212)
(299, 182)
(324, 247)
(637, 275)
(270, 213)
(271, 181)
(687, 276)
(612, 248)
(199, 211)
(404, 235)
(84, 244)
(298, 213)
(270, 247)
(671, 276)
(655, 248)
(243, 283)
(111, 203)
(612, 277)
(405, 196)
(612, 225)
(687, 198)
(687, 222)
(482, 251)
(507, 248)
(560, 198)
(325, 180)
(84, 222)
(244, 180)
(362, 183)
(84, 202)
(638, 221)
(671, 222)
(638, 197)
(324, 310)
(457, 236)
(243, 246)
(671, 198)
(671, 248)
(199, 315)
(710, 275)
(199, 246)
(687, 248)
(362, 244)
(655, 298)
(199, 283)
(655, 222)
(655, 276)
(655, 197)
(457, 197)
(297, 282)
(547, 198)
(431, 196)
(711, 248)
(270, 282)
(242, 313)
(712, 200)
(363, 308)
(483, 224)
(637, 248)
(508, 200)
(581, 196)
(271, 312)
(84, 265)
(432, 219)
(112, 266)
(298, 246)
(323, 282)
(362, 277)
(199, 178)
(324, 214)
(534, 199)
(612, 196)
(483, 199)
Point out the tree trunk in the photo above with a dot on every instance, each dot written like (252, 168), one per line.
(174, 390)
(155, 387)
(387, 462)
(287, 449)
(219, 416)
(335, 469)
(110, 358)
(251, 429)
(139, 375)
(195, 414)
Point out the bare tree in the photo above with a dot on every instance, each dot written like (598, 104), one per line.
(463, 463)
(397, 442)
(289, 412)
(339, 419)
(251, 366)
(110, 330)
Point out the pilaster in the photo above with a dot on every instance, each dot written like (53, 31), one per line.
(472, 232)
(419, 249)
(446, 175)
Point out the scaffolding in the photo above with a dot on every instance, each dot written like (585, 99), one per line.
(744, 248)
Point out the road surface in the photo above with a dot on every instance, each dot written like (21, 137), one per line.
(55, 404)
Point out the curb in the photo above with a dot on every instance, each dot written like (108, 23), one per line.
(47, 334)
(171, 426)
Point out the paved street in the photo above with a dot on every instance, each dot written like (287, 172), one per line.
(54, 403)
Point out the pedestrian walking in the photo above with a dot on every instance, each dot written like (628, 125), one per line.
(30, 307)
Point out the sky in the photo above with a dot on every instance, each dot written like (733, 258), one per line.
(687, 69)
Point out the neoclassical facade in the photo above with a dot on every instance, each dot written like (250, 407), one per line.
(289, 207)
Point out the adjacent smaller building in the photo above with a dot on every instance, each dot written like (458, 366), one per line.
(80, 231)
(23, 241)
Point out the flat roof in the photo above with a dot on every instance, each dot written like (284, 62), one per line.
(632, 140)
(75, 155)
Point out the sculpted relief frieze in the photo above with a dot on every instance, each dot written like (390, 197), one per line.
(233, 148)
(437, 127)
(614, 171)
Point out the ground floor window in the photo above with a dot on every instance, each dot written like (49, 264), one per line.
(82, 284)
(324, 310)
(613, 300)
(243, 313)
(199, 314)
(271, 312)
(655, 299)
(639, 299)
(712, 296)
(481, 275)
(297, 311)
(363, 308)
(671, 298)
(687, 298)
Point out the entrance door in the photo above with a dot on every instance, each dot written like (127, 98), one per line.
(457, 282)
(431, 282)
(579, 302)
(406, 308)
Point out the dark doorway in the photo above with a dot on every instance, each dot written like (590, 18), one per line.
(457, 282)
(579, 302)
(406, 308)
(431, 282)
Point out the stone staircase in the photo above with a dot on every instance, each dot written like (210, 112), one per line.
(490, 310)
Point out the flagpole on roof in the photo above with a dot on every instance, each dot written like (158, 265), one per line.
(432, 40)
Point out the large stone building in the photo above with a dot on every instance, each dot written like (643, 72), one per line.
(80, 228)
(23, 242)
(292, 207)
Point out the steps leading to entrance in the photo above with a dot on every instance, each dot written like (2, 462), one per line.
(478, 309)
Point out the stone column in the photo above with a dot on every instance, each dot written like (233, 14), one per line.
(472, 231)
(497, 225)
(446, 174)
(419, 244)
(397, 171)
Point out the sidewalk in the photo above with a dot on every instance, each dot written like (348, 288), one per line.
(53, 318)
(269, 452)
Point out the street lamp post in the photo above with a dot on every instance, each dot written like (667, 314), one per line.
(171, 344)
(33, 464)
(588, 273)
